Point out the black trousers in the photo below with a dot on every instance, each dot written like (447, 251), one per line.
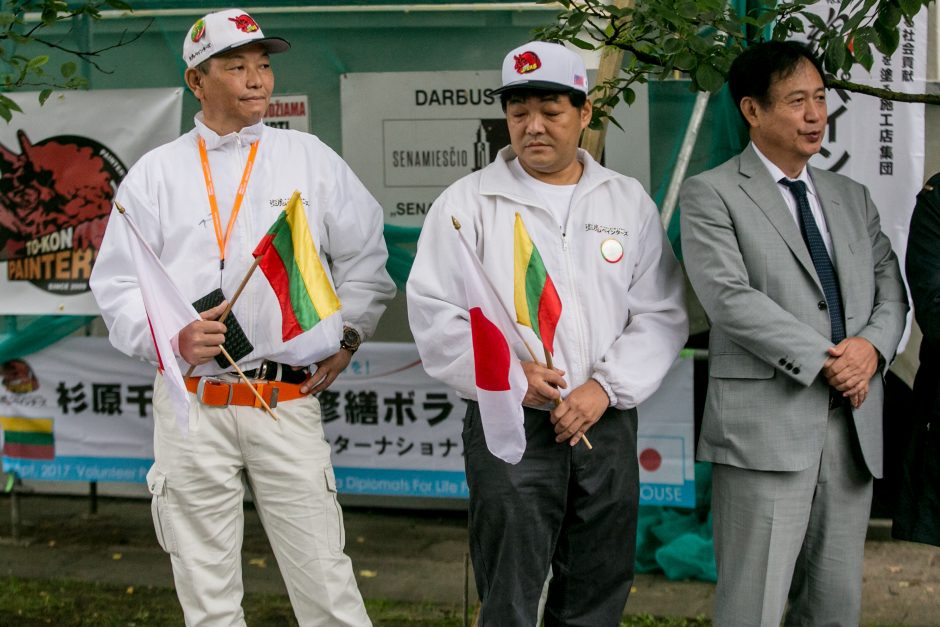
(566, 507)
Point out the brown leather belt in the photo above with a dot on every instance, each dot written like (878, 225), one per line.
(217, 393)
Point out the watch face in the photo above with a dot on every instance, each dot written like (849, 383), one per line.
(351, 338)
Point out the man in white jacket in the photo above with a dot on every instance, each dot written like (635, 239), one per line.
(622, 324)
(204, 202)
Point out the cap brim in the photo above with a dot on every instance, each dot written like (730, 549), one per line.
(537, 85)
(272, 45)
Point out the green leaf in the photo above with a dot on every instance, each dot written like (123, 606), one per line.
(708, 78)
(580, 43)
(9, 103)
(889, 14)
(699, 45)
(910, 8)
(5, 114)
(38, 61)
(7, 18)
(863, 56)
(815, 20)
(629, 96)
(68, 68)
(835, 56)
(684, 61)
(672, 45)
(44, 96)
(888, 38)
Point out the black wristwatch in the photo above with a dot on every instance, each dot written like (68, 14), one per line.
(351, 339)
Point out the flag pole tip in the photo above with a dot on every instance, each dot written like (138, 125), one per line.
(456, 223)
(119, 207)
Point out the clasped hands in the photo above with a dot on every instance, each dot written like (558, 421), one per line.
(573, 416)
(849, 368)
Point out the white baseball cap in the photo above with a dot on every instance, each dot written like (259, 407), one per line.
(543, 65)
(220, 32)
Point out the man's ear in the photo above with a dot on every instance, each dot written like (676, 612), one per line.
(586, 112)
(749, 107)
(194, 80)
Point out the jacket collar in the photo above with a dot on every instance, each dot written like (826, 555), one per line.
(248, 135)
(498, 180)
(761, 187)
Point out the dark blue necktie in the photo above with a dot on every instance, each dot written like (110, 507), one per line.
(823, 264)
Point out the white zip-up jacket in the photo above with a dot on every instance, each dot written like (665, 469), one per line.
(622, 323)
(165, 193)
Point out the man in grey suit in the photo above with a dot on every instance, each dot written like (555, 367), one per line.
(806, 307)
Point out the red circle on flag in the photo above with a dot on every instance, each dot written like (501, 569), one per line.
(651, 460)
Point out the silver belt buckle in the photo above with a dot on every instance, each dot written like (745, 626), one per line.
(201, 389)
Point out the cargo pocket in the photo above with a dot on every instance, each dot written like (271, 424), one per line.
(166, 537)
(336, 533)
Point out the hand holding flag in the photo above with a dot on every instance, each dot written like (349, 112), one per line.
(538, 305)
(167, 313)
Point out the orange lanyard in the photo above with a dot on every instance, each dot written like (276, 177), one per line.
(214, 205)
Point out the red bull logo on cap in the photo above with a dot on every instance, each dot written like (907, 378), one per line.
(527, 62)
(244, 23)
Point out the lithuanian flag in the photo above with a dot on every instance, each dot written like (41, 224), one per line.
(27, 438)
(290, 261)
(537, 304)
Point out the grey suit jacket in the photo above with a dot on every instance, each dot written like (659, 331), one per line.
(767, 403)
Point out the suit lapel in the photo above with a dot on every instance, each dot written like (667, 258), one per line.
(762, 189)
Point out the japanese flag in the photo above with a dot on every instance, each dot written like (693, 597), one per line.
(167, 313)
(661, 459)
(501, 383)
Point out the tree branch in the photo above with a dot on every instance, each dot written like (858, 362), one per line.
(881, 92)
(87, 55)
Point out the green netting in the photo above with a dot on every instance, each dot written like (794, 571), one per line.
(678, 542)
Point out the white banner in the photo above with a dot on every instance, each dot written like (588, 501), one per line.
(82, 411)
(61, 164)
(880, 143)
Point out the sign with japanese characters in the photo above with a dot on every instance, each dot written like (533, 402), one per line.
(61, 164)
(880, 142)
(82, 411)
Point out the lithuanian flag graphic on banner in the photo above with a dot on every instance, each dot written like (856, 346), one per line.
(27, 438)
(537, 303)
(290, 261)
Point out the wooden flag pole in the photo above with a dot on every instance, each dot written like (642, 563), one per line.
(254, 390)
(231, 303)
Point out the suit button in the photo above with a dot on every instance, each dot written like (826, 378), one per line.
(783, 361)
(796, 370)
(789, 366)
(822, 305)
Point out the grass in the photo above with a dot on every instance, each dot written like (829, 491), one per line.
(34, 603)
